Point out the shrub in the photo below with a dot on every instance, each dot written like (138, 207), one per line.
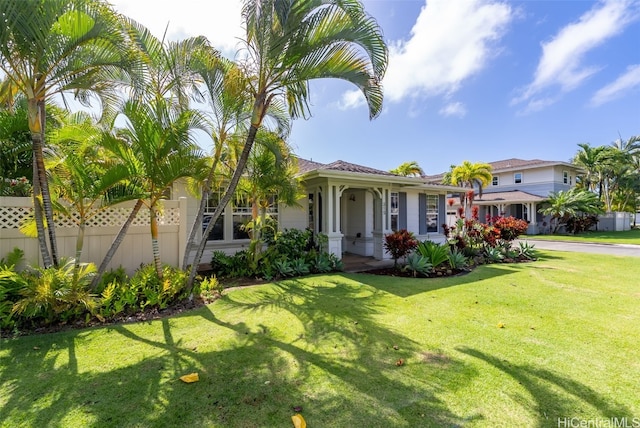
(399, 244)
(510, 227)
(457, 260)
(418, 264)
(221, 263)
(527, 251)
(435, 254)
(493, 255)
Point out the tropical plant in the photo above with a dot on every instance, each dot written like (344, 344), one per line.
(471, 175)
(290, 43)
(493, 254)
(510, 227)
(157, 147)
(399, 244)
(435, 253)
(527, 250)
(52, 47)
(417, 265)
(565, 204)
(457, 260)
(57, 294)
(408, 169)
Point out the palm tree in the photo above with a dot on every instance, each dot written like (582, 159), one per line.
(471, 175)
(565, 204)
(408, 169)
(53, 47)
(288, 43)
(158, 148)
(84, 179)
(270, 179)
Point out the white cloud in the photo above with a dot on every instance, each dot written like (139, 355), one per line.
(456, 109)
(352, 99)
(624, 83)
(220, 21)
(450, 42)
(561, 64)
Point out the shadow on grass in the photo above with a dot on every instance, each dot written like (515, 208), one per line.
(406, 287)
(557, 398)
(340, 368)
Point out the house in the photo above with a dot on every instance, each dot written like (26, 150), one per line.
(518, 188)
(353, 205)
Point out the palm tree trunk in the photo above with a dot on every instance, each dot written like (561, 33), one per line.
(206, 191)
(260, 106)
(116, 243)
(231, 189)
(153, 220)
(79, 245)
(37, 210)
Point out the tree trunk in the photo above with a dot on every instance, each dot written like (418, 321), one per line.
(155, 246)
(37, 213)
(206, 191)
(259, 108)
(116, 243)
(231, 189)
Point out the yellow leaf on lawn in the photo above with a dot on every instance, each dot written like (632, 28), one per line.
(298, 421)
(190, 378)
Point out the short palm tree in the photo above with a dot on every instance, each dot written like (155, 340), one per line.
(157, 147)
(408, 169)
(471, 175)
(564, 204)
(288, 43)
(53, 47)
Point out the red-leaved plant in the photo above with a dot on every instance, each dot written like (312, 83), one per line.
(399, 244)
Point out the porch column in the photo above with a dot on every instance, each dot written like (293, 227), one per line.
(379, 223)
(334, 234)
(533, 220)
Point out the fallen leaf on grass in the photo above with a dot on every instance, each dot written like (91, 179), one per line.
(500, 325)
(190, 378)
(298, 421)
(400, 362)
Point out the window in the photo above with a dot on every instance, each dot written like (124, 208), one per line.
(565, 177)
(217, 233)
(241, 216)
(395, 210)
(310, 213)
(432, 213)
(494, 180)
(517, 178)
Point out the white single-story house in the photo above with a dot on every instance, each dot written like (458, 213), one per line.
(353, 205)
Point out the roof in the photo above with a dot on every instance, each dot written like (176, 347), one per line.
(306, 166)
(508, 165)
(510, 196)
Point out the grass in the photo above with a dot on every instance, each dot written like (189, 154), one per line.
(627, 237)
(506, 345)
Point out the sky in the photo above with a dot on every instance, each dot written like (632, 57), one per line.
(477, 80)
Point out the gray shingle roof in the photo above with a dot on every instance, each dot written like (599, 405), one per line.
(510, 196)
(306, 166)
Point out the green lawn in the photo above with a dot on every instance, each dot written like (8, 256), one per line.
(506, 345)
(626, 237)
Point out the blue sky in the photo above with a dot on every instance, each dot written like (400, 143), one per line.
(478, 80)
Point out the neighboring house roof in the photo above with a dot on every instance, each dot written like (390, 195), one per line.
(513, 163)
(509, 197)
(509, 165)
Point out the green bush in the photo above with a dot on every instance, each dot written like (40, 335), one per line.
(399, 244)
(435, 253)
(418, 265)
(457, 260)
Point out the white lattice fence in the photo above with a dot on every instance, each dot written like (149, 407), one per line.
(100, 232)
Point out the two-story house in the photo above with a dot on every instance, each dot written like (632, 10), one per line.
(518, 187)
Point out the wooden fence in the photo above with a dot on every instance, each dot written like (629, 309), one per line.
(134, 251)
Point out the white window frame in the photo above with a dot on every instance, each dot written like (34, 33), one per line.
(394, 203)
(495, 181)
(565, 177)
(433, 211)
(517, 178)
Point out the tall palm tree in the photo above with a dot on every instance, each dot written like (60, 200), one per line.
(588, 158)
(288, 43)
(471, 175)
(53, 47)
(408, 169)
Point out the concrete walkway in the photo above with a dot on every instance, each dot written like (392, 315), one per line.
(579, 247)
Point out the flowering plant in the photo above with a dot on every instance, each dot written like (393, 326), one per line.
(15, 187)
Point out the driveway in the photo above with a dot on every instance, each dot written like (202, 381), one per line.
(579, 247)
